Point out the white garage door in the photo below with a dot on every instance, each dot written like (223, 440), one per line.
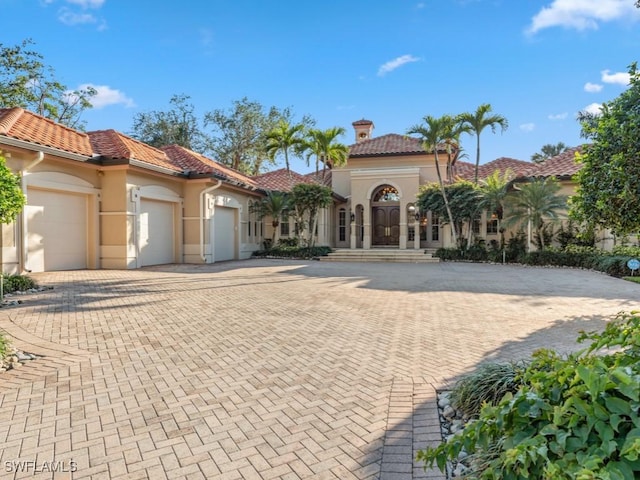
(224, 234)
(56, 230)
(156, 232)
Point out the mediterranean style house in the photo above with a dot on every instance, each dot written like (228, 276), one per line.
(104, 200)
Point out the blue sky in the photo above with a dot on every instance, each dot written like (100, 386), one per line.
(537, 62)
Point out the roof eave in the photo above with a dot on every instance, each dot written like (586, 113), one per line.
(14, 142)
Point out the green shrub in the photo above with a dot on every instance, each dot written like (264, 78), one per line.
(288, 242)
(574, 417)
(4, 346)
(487, 384)
(516, 247)
(14, 283)
(626, 251)
(293, 252)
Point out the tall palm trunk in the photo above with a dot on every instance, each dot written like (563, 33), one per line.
(446, 200)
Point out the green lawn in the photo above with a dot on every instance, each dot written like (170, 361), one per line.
(633, 279)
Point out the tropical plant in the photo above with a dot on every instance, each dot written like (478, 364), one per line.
(323, 145)
(12, 199)
(284, 138)
(547, 151)
(463, 199)
(533, 202)
(485, 385)
(178, 126)
(308, 199)
(274, 205)
(494, 191)
(573, 417)
(433, 132)
(26, 82)
(609, 180)
(477, 122)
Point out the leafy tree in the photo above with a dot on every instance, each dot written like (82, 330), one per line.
(533, 202)
(463, 198)
(323, 145)
(308, 199)
(494, 191)
(609, 180)
(477, 122)
(12, 199)
(284, 138)
(177, 126)
(26, 82)
(239, 138)
(547, 151)
(274, 205)
(435, 131)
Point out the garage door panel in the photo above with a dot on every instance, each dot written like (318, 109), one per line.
(156, 232)
(56, 230)
(224, 234)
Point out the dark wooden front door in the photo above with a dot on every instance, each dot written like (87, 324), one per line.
(386, 226)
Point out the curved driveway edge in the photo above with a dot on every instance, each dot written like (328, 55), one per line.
(271, 369)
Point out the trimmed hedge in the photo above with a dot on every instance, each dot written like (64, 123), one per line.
(14, 283)
(578, 257)
(293, 252)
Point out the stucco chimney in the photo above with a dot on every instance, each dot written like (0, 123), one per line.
(364, 129)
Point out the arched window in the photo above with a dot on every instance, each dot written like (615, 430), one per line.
(386, 193)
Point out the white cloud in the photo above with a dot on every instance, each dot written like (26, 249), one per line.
(558, 116)
(391, 65)
(581, 14)
(527, 127)
(107, 96)
(87, 3)
(619, 78)
(593, 108)
(592, 87)
(68, 17)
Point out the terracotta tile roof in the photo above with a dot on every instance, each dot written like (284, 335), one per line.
(502, 164)
(279, 180)
(389, 144)
(116, 145)
(464, 170)
(318, 179)
(189, 160)
(362, 122)
(23, 125)
(563, 165)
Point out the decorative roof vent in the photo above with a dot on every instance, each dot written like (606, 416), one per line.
(363, 129)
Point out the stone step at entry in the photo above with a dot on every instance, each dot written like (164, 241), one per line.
(381, 255)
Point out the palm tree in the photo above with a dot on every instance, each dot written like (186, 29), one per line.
(322, 144)
(494, 190)
(547, 151)
(282, 139)
(533, 202)
(274, 205)
(477, 122)
(435, 131)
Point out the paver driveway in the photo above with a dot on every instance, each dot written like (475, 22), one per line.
(267, 369)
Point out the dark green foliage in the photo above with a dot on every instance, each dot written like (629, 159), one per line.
(543, 237)
(516, 247)
(294, 252)
(4, 346)
(288, 242)
(487, 384)
(12, 199)
(609, 180)
(15, 283)
(570, 233)
(572, 418)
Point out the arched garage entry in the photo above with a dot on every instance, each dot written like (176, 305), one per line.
(61, 222)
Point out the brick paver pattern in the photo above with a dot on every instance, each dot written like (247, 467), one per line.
(266, 369)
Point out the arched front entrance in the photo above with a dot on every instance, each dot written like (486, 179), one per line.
(385, 217)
